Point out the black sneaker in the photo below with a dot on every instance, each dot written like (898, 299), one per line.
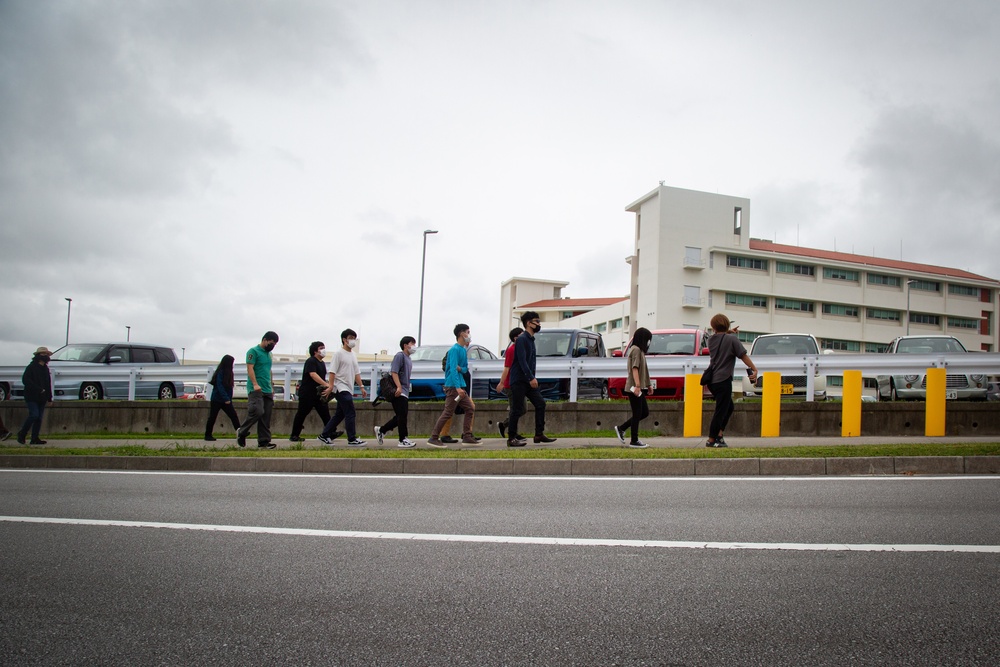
(516, 442)
(543, 438)
(502, 427)
(638, 444)
(4, 435)
(296, 438)
(38, 442)
(717, 443)
(241, 439)
(20, 439)
(621, 434)
(448, 440)
(209, 438)
(266, 445)
(721, 441)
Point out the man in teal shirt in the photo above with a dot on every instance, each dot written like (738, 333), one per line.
(260, 393)
(455, 394)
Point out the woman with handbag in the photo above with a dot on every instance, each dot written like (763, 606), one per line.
(636, 387)
(724, 348)
(222, 396)
(311, 390)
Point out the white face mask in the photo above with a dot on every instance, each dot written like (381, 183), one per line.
(411, 348)
(322, 353)
(467, 338)
(352, 343)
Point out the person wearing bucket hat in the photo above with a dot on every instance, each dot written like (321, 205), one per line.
(37, 393)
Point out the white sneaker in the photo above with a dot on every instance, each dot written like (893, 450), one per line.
(406, 443)
(378, 434)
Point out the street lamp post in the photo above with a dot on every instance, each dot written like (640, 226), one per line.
(128, 333)
(423, 265)
(182, 355)
(69, 305)
(908, 288)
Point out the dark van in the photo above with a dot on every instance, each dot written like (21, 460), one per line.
(571, 344)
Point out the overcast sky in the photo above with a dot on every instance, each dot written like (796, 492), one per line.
(206, 170)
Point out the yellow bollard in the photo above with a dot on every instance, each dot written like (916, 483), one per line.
(692, 405)
(770, 414)
(937, 381)
(850, 418)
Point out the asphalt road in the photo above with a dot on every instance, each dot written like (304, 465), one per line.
(229, 569)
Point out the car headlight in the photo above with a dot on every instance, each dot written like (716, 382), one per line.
(911, 378)
(977, 378)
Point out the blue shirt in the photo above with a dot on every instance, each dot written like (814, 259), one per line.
(456, 363)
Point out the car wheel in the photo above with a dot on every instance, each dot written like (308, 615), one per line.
(167, 391)
(893, 396)
(91, 391)
(4, 392)
(604, 392)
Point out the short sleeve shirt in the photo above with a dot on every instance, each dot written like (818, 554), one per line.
(402, 366)
(345, 368)
(260, 359)
(312, 365)
(724, 349)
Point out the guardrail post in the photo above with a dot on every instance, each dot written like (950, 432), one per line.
(850, 419)
(692, 405)
(810, 379)
(574, 376)
(937, 380)
(770, 415)
(131, 383)
(288, 383)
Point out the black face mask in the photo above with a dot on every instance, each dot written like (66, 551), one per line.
(269, 347)
(538, 327)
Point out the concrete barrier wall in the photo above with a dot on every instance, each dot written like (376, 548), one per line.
(797, 419)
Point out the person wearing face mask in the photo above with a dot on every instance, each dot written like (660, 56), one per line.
(400, 370)
(37, 394)
(344, 374)
(310, 389)
(455, 394)
(260, 394)
(523, 384)
(222, 396)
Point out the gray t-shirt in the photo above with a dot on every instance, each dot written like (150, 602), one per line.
(724, 349)
(402, 365)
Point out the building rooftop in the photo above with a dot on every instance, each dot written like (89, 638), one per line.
(573, 304)
(762, 245)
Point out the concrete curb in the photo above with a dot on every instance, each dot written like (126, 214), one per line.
(843, 466)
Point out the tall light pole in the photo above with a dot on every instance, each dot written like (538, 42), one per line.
(908, 283)
(182, 355)
(69, 305)
(128, 333)
(423, 265)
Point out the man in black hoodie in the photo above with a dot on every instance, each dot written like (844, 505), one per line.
(37, 393)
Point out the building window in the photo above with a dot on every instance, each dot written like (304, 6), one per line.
(746, 336)
(925, 285)
(882, 279)
(692, 257)
(588, 328)
(963, 290)
(601, 328)
(840, 310)
(876, 348)
(616, 324)
(626, 323)
(737, 220)
(925, 318)
(746, 262)
(842, 345)
(796, 269)
(881, 314)
(748, 300)
(962, 323)
(840, 274)
(793, 304)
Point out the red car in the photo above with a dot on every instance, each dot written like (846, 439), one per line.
(683, 342)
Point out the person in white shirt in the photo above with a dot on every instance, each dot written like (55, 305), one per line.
(345, 373)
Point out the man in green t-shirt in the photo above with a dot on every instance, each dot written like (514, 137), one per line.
(260, 394)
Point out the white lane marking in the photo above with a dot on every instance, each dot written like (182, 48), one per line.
(511, 539)
(557, 478)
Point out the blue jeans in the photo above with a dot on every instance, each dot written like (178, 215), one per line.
(34, 421)
(345, 413)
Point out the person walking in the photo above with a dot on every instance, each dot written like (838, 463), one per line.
(401, 370)
(724, 348)
(344, 374)
(37, 383)
(222, 383)
(310, 389)
(260, 394)
(503, 386)
(524, 384)
(455, 394)
(636, 387)
(4, 433)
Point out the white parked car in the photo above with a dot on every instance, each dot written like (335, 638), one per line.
(913, 385)
(790, 344)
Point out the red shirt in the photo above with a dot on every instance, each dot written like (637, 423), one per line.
(508, 361)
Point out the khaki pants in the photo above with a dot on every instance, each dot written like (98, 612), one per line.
(452, 401)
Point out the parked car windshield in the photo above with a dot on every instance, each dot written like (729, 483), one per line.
(672, 343)
(555, 344)
(430, 353)
(785, 345)
(78, 353)
(929, 346)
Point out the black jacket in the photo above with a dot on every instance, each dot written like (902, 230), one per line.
(37, 383)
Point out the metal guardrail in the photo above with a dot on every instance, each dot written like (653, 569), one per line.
(287, 375)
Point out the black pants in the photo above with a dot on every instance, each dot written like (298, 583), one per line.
(722, 392)
(259, 407)
(401, 409)
(213, 413)
(518, 392)
(309, 401)
(640, 410)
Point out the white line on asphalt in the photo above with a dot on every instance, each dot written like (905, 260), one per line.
(555, 478)
(509, 539)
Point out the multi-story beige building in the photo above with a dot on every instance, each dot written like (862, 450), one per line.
(694, 256)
